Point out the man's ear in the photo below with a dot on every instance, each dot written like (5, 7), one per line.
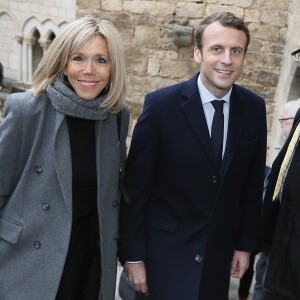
(197, 55)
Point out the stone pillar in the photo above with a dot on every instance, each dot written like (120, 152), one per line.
(20, 42)
(44, 43)
(29, 42)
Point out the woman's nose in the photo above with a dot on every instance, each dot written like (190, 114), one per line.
(89, 68)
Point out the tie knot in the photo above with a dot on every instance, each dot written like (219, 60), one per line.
(218, 105)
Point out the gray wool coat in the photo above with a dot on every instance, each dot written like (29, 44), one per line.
(36, 197)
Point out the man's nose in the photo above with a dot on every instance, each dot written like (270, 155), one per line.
(226, 58)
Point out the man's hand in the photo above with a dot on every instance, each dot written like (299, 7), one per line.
(136, 274)
(239, 264)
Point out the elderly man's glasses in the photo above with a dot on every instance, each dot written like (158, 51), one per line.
(296, 55)
(284, 119)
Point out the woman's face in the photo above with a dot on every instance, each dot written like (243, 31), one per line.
(88, 70)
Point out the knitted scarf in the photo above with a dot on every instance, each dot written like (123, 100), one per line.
(65, 100)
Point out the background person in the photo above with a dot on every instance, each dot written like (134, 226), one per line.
(59, 170)
(194, 200)
(281, 220)
(286, 120)
(281, 215)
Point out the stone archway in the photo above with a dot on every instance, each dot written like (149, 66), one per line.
(35, 40)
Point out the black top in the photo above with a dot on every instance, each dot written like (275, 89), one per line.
(81, 275)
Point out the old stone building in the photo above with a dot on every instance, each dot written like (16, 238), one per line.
(158, 37)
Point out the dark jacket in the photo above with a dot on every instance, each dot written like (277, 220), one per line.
(280, 227)
(185, 218)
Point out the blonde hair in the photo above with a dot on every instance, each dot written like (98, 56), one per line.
(71, 40)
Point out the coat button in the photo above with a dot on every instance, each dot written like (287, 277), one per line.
(116, 237)
(38, 169)
(198, 258)
(214, 179)
(46, 206)
(37, 244)
(115, 203)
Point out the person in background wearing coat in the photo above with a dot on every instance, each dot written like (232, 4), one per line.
(281, 217)
(191, 218)
(61, 150)
(286, 120)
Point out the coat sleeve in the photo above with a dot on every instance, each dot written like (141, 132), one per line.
(249, 231)
(10, 147)
(139, 173)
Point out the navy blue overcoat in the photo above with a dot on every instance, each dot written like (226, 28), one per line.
(185, 218)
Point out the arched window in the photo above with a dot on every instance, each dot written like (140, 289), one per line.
(35, 40)
(37, 50)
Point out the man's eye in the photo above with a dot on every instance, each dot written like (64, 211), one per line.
(236, 51)
(216, 49)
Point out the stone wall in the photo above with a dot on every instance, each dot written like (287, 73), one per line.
(158, 36)
(159, 40)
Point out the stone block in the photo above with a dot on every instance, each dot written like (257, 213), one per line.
(239, 3)
(190, 10)
(176, 69)
(274, 18)
(266, 78)
(279, 5)
(214, 8)
(183, 36)
(154, 8)
(112, 5)
(146, 37)
(153, 67)
(264, 32)
(252, 15)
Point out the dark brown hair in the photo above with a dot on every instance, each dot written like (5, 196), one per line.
(226, 19)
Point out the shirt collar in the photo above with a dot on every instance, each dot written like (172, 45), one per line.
(207, 96)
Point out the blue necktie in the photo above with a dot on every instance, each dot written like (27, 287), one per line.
(217, 131)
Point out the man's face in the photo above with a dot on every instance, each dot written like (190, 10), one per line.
(286, 125)
(221, 57)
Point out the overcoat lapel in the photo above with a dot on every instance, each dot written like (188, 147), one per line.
(194, 112)
(235, 129)
(62, 159)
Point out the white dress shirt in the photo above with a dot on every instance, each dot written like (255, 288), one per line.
(206, 98)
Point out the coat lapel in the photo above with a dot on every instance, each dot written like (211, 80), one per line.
(194, 112)
(235, 128)
(62, 159)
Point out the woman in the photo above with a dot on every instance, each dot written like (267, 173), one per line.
(61, 149)
(281, 217)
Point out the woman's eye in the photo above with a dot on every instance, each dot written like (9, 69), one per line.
(77, 58)
(101, 60)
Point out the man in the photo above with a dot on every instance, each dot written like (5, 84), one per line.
(191, 220)
(286, 120)
(281, 269)
(287, 116)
